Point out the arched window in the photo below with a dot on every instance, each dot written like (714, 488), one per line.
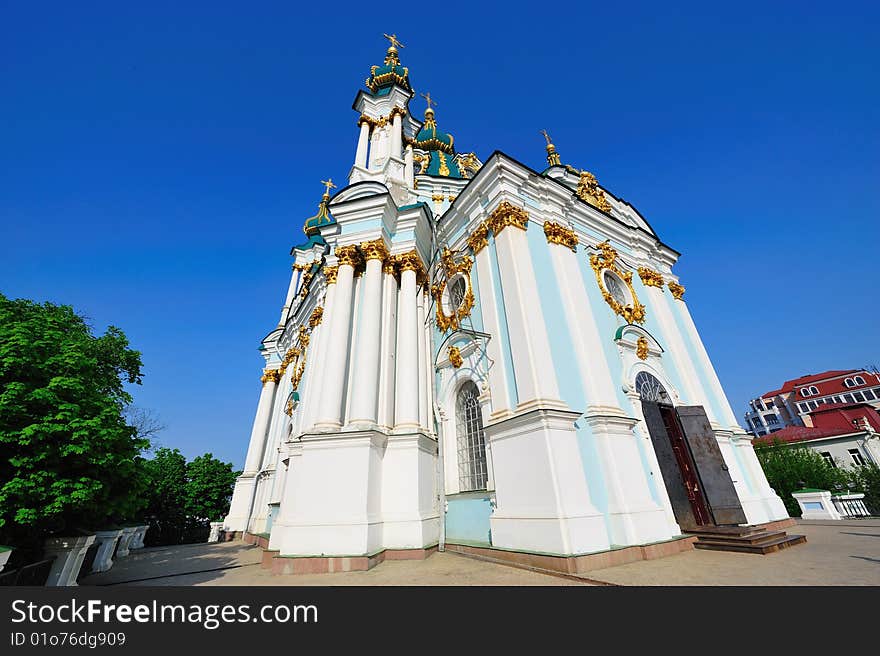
(651, 389)
(814, 390)
(859, 380)
(471, 440)
(848, 382)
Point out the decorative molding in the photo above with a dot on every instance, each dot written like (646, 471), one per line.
(455, 357)
(606, 259)
(410, 261)
(330, 272)
(642, 348)
(389, 266)
(348, 255)
(676, 289)
(270, 375)
(449, 268)
(559, 234)
(374, 250)
(650, 277)
(479, 238)
(507, 215)
(316, 317)
(288, 409)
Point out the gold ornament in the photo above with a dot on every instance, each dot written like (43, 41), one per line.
(330, 273)
(410, 262)
(642, 348)
(676, 289)
(316, 317)
(559, 234)
(507, 215)
(478, 239)
(389, 266)
(455, 357)
(552, 155)
(374, 250)
(607, 260)
(288, 409)
(348, 255)
(451, 267)
(270, 375)
(588, 190)
(650, 277)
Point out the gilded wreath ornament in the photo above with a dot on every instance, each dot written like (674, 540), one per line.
(650, 277)
(606, 260)
(450, 268)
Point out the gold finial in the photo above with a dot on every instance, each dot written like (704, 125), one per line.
(429, 100)
(328, 185)
(392, 38)
(552, 155)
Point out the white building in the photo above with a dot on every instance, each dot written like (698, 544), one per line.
(485, 354)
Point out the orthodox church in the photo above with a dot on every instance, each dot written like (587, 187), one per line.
(486, 357)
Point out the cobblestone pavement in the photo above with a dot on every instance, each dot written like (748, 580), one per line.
(836, 553)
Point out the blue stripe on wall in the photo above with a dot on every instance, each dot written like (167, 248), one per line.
(504, 337)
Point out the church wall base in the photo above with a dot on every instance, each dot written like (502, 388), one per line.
(335, 564)
(575, 565)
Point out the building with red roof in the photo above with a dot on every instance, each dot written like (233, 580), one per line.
(846, 435)
(793, 403)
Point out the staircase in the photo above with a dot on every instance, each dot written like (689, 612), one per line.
(745, 539)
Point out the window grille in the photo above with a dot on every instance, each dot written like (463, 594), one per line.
(650, 389)
(472, 471)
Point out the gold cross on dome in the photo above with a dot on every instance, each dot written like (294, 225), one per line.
(394, 42)
(427, 97)
(546, 136)
(328, 183)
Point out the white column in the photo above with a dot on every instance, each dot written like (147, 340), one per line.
(423, 374)
(292, 289)
(499, 381)
(529, 344)
(375, 155)
(308, 407)
(365, 384)
(406, 410)
(408, 166)
(360, 158)
(333, 385)
(396, 137)
(389, 339)
(254, 458)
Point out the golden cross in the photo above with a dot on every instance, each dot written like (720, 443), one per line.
(328, 183)
(394, 42)
(427, 97)
(546, 136)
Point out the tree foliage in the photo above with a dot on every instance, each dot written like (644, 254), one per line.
(209, 487)
(68, 458)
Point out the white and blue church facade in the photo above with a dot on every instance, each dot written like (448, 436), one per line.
(480, 354)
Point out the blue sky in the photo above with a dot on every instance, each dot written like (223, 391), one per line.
(157, 162)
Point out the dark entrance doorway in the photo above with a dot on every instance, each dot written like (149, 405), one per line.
(696, 478)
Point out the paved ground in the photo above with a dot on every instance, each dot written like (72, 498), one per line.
(836, 553)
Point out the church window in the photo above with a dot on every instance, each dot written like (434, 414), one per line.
(457, 291)
(616, 288)
(650, 389)
(472, 470)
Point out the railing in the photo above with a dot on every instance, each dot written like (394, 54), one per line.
(850, 505)
(33, 574)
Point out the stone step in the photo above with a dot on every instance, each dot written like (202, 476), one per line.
(753, 538)
(772, 545)
(744, 531)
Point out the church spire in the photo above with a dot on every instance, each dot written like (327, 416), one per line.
(391, 72)
(313, 224)
(552, 155)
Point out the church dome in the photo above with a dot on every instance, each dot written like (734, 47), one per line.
(382, 78)
(313, 225)
(430, 138)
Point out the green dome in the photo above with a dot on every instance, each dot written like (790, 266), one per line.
(390, 73)
(430, 138)
(322, 218)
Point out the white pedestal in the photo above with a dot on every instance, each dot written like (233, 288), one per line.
(816, 504)
(137, 540)
(5, 553)
(106, 541)
(125, 541)
(214, 536)
(69, 554)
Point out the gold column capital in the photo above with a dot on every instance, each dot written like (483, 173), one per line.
(316, 317)
(374, 250)
(330, 273)
(270, 375)
(348, 255)
(479, 238)
(507, 215)
(650, 277)
(557, 233)
(676, 289)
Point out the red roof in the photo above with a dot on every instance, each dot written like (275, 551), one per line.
(791, 434)
(829, 387)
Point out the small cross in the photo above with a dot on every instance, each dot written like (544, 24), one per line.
(328, 183)
(394, 42)
(427, 97)
(546, 136)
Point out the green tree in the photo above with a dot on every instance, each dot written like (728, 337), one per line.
(68, 459)
(165, 480)
(209, 487)
(791, 467)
